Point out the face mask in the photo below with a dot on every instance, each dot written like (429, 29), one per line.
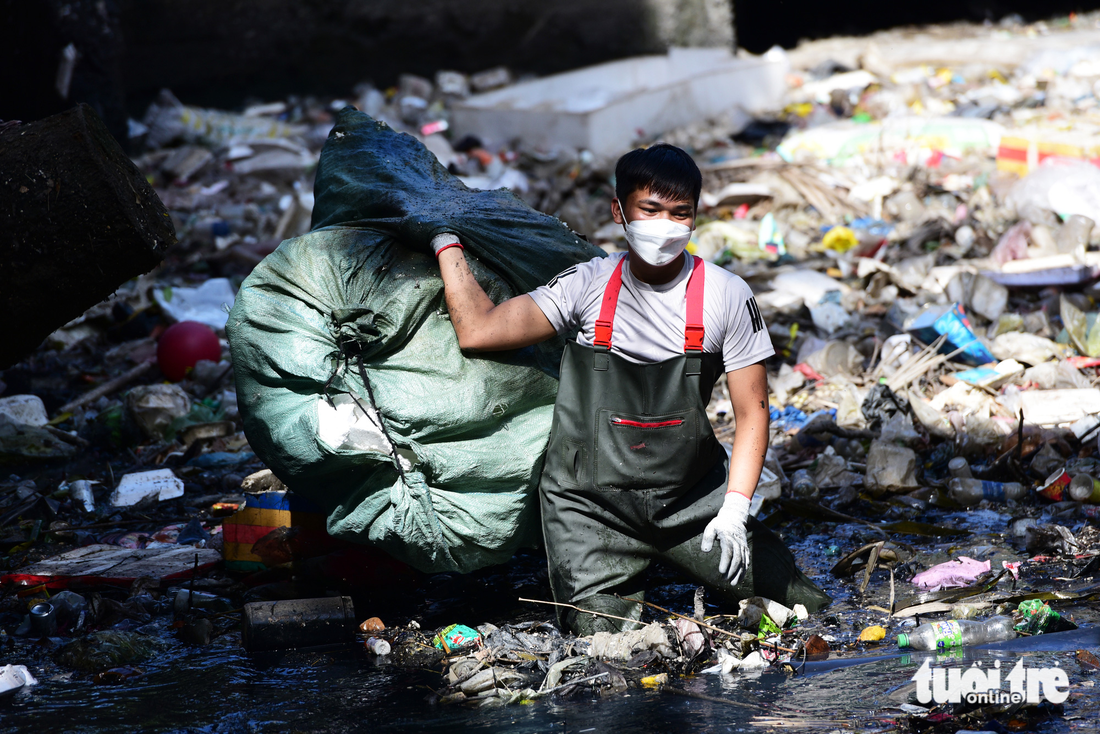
(657, 241)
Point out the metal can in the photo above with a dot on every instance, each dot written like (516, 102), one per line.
(44, 619)
(1084, 488)
(283, 625)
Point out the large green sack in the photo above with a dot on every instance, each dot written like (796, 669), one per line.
(448, 480)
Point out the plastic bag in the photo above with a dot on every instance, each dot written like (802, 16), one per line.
(1061, 185)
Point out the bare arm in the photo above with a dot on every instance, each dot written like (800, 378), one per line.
(749, 395)
(481, 325)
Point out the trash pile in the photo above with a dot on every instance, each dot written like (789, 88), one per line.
(919, 226)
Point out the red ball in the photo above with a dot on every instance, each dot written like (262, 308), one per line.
(182, 345)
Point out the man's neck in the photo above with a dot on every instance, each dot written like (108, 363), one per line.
(655, 274)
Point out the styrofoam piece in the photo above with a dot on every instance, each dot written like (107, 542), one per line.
(14, 678)
(133, 488)
(1085, 426)
(821, 90)
(809, 285)
(608, 107)
(1055, 407)
(208, 304)
(24, 409)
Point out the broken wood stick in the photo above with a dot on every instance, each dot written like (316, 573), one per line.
(108, 387)
(681, 616)
(582, 611)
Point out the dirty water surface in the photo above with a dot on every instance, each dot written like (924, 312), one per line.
(220, 688)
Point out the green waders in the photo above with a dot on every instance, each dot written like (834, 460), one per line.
(634, 473)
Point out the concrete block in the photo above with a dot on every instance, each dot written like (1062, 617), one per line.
(160, 485)
(608, 107)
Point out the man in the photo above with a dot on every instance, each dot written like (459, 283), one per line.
(633, 471)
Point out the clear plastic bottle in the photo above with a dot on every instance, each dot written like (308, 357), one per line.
(970, 492)
(803, 487)
(377, 646)
(1084, 488)
(958, 633)
(959, 468)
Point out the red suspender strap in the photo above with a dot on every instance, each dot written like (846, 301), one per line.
(605, 322)
(693, 332)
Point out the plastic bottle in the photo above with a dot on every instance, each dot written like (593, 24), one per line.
(1084, 488)
(80, 492)
(957, 633)
(802, 485)
(186, 601)
(959, 468)
(969, 492)
(377, 646)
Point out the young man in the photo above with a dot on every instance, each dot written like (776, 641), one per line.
(633, 472)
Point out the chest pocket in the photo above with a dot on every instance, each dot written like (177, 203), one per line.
(637, 451)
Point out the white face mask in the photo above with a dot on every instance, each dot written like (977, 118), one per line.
(657, 241)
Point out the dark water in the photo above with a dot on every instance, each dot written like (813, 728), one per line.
(220, 689)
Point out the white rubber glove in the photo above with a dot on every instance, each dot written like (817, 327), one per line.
(442, 241)
(729, 528)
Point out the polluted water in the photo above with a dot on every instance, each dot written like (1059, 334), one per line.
(184, 688)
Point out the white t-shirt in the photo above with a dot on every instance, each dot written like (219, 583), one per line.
(650, 320)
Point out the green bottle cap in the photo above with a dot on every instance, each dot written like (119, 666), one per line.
(903, 640)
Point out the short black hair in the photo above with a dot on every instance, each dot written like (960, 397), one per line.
(663, 169)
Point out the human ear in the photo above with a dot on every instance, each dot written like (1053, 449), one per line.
(617, 211)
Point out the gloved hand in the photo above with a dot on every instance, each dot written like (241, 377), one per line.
(442, 241)
(729, 528)
(416, 233)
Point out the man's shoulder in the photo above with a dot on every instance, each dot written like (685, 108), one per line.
(726, 282)
(589, 269)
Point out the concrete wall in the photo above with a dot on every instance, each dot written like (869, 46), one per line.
(219, 51)
(223, 52)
